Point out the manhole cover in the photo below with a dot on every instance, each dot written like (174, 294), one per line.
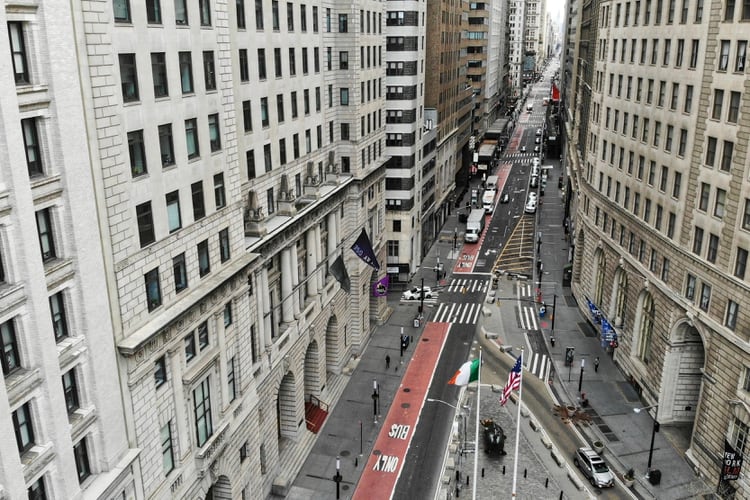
(345, 453)
(405, 405)
(376, 452)
(425, 340)
(406, 389)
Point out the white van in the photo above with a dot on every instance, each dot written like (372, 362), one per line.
(491, 184)
(530, 107)
(488, 201)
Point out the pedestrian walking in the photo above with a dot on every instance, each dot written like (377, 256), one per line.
(596, 364)
(388, 361)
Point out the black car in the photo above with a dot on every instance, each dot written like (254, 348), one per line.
(504, 198)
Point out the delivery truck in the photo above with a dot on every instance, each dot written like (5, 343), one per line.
(488, 201)
(474, 226)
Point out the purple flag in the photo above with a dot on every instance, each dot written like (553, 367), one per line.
(363, 248)
(380, 288)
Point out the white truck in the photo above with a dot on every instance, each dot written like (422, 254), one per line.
(488, 201)
(474, 226)
(491, 184)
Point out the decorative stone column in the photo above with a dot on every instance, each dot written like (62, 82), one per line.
(311, 242)
(286, 298)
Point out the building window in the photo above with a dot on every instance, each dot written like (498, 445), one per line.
(231, 379)
(734, 107)
(344, 96)
(740, 436)
(81, 454)
(258, 14)
(160, 371)
(128, 77)
(181, 12)
(37, 491)
(209, 70)
(705, 296)
(166, 145)
(29, 127)
(344, 131)
(214, 132)
(718, 101)
(267, 157)
(167, 454)
(174, 219)
(202, 409)
(186, 72)
(292, 62)
(153, 289)
(713, 248)
(46, 237)
(191, 138)
(270, 201)
(295, 107)
(11, 360)
(688, 99)
(224, 248)
(137, 151)
(219, 192)
(280, 107)
(70, 390)
(204, 6)
(23, 428)
(275, 15)
(726, 156)
(315, 19)
(704, 195)
(153, 11)
(740, 263)
(710, 151)
(247, 116)
(264, 120)
(122, 11)
(698, 241)
(739, 63)
(145, 220)
(303, 18)
(189, 342)
(244, 66)
(179, 268)
(199, 206)
(720, 203)
(724, 55)
(204, 263)
(665, 269)
(690, 287)
(202, 331)
(59, 319)
(343, 60)
(730, 317)
(289, 16)
(746, 380)
(343, 23)
(250, 160)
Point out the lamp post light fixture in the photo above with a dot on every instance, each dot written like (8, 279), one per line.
(654, 430)
(337, 477)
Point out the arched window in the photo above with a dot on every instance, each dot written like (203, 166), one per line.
(646, 327)
(621, 287)
(599, 282)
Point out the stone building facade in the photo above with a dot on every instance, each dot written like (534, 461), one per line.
(662, 225)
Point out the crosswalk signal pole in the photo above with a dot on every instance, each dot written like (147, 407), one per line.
(421, 298)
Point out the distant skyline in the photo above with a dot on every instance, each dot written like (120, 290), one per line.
(556, 9)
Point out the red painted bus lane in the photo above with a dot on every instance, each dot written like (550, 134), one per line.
(384, 465)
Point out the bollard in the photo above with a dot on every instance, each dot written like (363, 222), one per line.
(524, 473)
(467, 480)
(561, 495)
(546, 482)
(458, 476)
(356, 462)
(503, 470)
(482, 471)
(457, 490)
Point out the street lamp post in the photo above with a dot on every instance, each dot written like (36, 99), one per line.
(580, 377)
(654, 430)
(337, 478)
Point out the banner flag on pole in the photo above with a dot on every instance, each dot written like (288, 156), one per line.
(338, 270)
(514, 381)
(380, 287)
(468, 373)
(731, 463)
(363, 248)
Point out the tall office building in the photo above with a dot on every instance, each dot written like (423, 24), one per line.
(517, 45)
(192, 172)
(662, 228)
(409, 168)
(60, 394)
(449, 96)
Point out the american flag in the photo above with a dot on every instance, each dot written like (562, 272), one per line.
(514, 380)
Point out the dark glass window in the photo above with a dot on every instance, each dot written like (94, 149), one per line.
(59, 319)
(128, 78)
(145, 220)
(153, 289)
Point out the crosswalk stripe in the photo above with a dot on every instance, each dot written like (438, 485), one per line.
(470, 285)
(539, 365)
(458, 313)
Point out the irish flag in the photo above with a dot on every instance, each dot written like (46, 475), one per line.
(469, 372)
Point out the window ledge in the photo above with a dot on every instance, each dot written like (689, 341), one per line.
(80, 420)
(36, 459)
(20, 384)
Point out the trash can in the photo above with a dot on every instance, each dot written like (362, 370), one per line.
(654, 476)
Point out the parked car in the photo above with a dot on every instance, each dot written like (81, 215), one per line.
(537, 149)
(414, 293)
(523, 149)
(538, 140)
(530, 207)
(532, 196)
(534, 181)
(538, 131)
(594, 468)
(504, 198)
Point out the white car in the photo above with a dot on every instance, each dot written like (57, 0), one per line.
(536, 162)
(538, 131)
(532, 196)
(414, 293)
(523, 149)
(594, 468)
(530, 207)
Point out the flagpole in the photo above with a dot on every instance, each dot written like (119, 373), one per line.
(518, 430)
(476, 430)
